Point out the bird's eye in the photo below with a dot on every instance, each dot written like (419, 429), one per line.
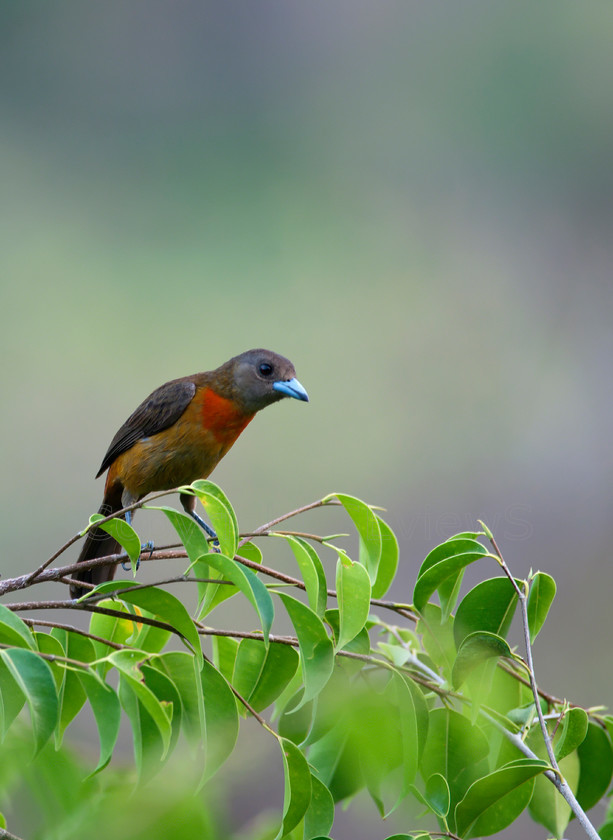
(265, 369)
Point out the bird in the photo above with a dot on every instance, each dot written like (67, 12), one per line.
(178, 434)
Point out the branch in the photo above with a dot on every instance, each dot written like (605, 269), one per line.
(263, 528)
(554, 776)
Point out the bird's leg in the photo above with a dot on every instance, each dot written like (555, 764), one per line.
(206, 528)
(148, 546)
(189, 505)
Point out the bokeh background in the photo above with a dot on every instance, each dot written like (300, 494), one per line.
(412, 200)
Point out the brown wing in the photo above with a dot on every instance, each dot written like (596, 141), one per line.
(160, 410)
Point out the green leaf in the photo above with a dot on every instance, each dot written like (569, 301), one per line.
(107, 713)
(316, 648)
(605, 832)
(192, 536)
(48, 644)
(167, 608)
(249, 584)
(353, 593)
(475, 649)
(388, 562)
(34, 678)
(437, 794)
(221, 719)
(456, 750)
(213, 594)
(547, 806)
(540, 597)
(295, 725)
(437, 637)
(225, 650)
(444, 563)
(422, 715)
(125, 535)
(261, 673)
(485, 793)
(109, 627)
(72, 695)
(220, 512)
(312, 572)
(319, 816)
(12, 698)
(128, 664)
(13, 631)
(596, 759)
(489, 606)
(297, 787)
(574, 730)
(367, 526)
(182, 668)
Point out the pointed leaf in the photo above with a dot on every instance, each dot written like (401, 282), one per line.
(596, 758)
(34, 678)
(107, 713)
(312, 572)
(13, 631)
(540, 597)
(12, 698)
(249, 584)
(297, 787)
(489, 606)
(72, 695)
(48, 644)
(475, 649)
(353, 593)
(367, 526)
(221, 719)
(388, 562)
(128, 664)
(454, 749)
(220, 512)
(167, 608)
(320, 813)
(125, 535)
(109, 627)
(261, 673)
(437, 794)
(189, 532)
(444, 563)
(225, 650)
(183, 669)
(316, 649)
(487, 791)
(574, 730)
(547, 806)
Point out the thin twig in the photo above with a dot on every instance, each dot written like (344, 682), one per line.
(6, 835)
(54, 657)
(296, 512)
(555, 775)
(38, 622)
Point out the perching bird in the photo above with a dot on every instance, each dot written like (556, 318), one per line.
(179, 434)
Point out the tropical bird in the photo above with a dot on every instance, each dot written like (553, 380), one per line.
(179, 434)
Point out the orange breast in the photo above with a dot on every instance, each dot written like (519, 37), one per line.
(189, 449)
(221, 417)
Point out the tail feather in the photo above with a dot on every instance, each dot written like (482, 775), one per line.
(97, 544)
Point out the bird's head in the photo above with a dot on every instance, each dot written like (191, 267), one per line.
(261, 377)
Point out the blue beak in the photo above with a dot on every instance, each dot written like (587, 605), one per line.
(291, 388)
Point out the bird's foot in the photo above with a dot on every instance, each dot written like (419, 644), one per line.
(126, 565)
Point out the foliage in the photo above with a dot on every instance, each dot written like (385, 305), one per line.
(421, 703)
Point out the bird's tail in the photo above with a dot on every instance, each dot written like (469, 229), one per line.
(98, 544)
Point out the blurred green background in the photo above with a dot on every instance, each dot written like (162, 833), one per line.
(411, 200)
